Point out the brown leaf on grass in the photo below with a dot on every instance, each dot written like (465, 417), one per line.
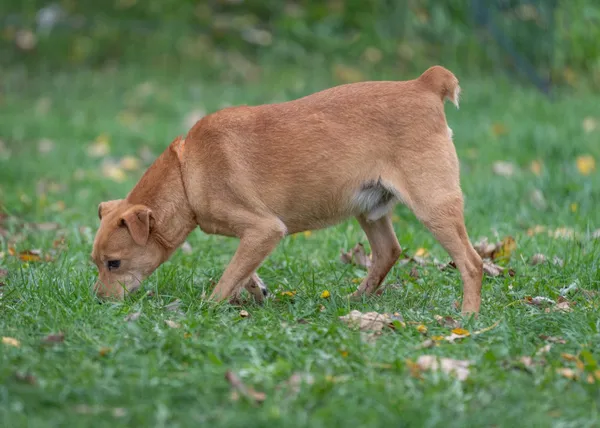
(373, 321)
(186, 248)
(447, 321)
(567, 372)
(130, 163)
(538, 200)
(239, 389)
(589, 124)
(134, 316)
(356, 256)
(499, 250)
(296, 381)
(552, 339)
(84, 409)
(173, 306)
(11, 341)
(492, 269)
(414, 273)
(504, 169)
(426, 344)
(172, 324)
(564, 306)
(27, 255)
(544, 349)
(192, 117)
(538, 259)
(26, 378)
(347, 74)
(457, 368)
(100, 147)
(538, 301)
(53, 338)
(45, 145)
(47, 227)
(113, 171)
(3, 273)
(104, 351)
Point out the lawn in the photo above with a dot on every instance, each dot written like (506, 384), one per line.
(73, 139)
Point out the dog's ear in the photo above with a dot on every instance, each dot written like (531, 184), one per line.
(137, 220)
(106, 207)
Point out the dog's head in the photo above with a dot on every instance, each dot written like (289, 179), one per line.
(123, 249)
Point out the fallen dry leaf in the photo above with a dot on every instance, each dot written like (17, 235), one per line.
(447, 321)
(589, 124)
(567, 372)
(538, 259)
(11, 341)
(104, 351)
(3, 273)
(458, 368)
(239, 388)
(186, 248)
(492, 269)
(45, 145)
(27, 255)
(499, 250)
(544, 349)
(428, 343)
(130, 163)
(132, 317)
(112, 170)
(100, 147)
(536, 167)
(564, 306)
(553, 339)
(192, 117)
(54, 338)
(504, 169)
(173, 306)
(356, 256)
(538, 200)
(539, 301)
(244, 314)
(368, 321)
(26, 378)
(172, 324)
(347, 74)
(526, 361)
(586, 164)
(421, 328)
(296, 381)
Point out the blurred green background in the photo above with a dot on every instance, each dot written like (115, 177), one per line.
(541, 40)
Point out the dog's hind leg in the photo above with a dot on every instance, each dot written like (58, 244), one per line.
(385, 251)
(434, 195)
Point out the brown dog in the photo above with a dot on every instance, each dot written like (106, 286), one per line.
(260, 173)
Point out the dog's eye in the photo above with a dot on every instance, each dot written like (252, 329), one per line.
(114, 264)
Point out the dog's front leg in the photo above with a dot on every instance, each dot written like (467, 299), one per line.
(256, 243)
(255, 286)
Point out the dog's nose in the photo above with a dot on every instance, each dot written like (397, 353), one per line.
(105, 292)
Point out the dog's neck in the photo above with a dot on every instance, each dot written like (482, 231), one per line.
(161, 188)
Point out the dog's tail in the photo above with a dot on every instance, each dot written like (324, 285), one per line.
(441, 81)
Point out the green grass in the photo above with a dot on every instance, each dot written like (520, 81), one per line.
(155, 375)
